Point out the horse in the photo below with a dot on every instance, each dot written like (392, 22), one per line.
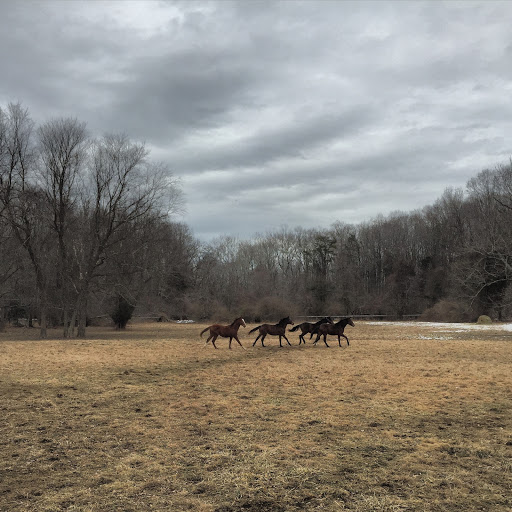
(278, 329)
(308, 327)
(336, 329)
(226, 331)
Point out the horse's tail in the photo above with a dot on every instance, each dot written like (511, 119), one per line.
(293, 329)
(255, 329)
(202, 332)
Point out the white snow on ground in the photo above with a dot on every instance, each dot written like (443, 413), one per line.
(448, 328)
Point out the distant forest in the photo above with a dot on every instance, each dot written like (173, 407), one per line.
(86, 229)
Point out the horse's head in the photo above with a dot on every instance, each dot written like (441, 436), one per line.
(239, 321)
(350, 322)
(286, 321)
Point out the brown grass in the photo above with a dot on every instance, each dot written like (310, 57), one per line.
(152, 419)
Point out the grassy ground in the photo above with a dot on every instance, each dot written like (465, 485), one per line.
(152, 419)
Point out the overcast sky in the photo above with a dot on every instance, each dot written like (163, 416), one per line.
(277, 113)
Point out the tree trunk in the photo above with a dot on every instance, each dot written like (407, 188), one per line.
(42, 322)
(81, 314)
(66, 324)
(72, 325)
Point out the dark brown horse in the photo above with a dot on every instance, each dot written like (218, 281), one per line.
(226, 331)
(335, 329)
(274, 330)
(308, 327)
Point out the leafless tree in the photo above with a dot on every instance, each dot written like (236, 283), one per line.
(62, 155)
(22, 202)
(121, 189)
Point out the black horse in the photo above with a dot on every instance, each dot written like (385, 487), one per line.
(308, 327)
(335, 329)
(274, 330)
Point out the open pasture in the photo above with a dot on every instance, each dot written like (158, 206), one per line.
(409, 417)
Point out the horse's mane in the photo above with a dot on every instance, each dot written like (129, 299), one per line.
(234, 321)
(325, 319)
(283, 320)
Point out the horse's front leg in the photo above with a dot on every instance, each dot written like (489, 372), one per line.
(236, 338)
(348, 343)
(230, 338)
(284, 336)
(325, 340)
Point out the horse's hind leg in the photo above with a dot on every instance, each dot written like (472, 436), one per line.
(301, 339)
(213, 340)
(262, 338)
(325, 340)
(209, 338)
(230, 343)
(257, 338)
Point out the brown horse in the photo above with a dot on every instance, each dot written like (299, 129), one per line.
(308, 327)
(274, 330)
(226, 331)
(336, 329)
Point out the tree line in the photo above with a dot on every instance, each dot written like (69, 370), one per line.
(86, 230)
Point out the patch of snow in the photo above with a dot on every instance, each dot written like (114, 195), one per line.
(448, 327)
(434, 337)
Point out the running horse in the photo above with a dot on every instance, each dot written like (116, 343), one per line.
(226, 331)
(335, 329)
(278, 329)
(308, 327)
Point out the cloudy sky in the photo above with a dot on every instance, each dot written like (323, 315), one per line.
(277, 113)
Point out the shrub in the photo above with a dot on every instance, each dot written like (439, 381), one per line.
(446, 311)
(122, 312)
(484, 319)
(221, 313)
(273, 308)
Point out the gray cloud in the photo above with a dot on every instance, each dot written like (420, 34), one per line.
(273, 113)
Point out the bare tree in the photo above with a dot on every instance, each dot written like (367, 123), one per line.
(122, 188)
(21, 201)
(63, 145)
(485, 271)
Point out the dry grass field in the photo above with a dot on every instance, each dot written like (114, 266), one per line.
(406, 418)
